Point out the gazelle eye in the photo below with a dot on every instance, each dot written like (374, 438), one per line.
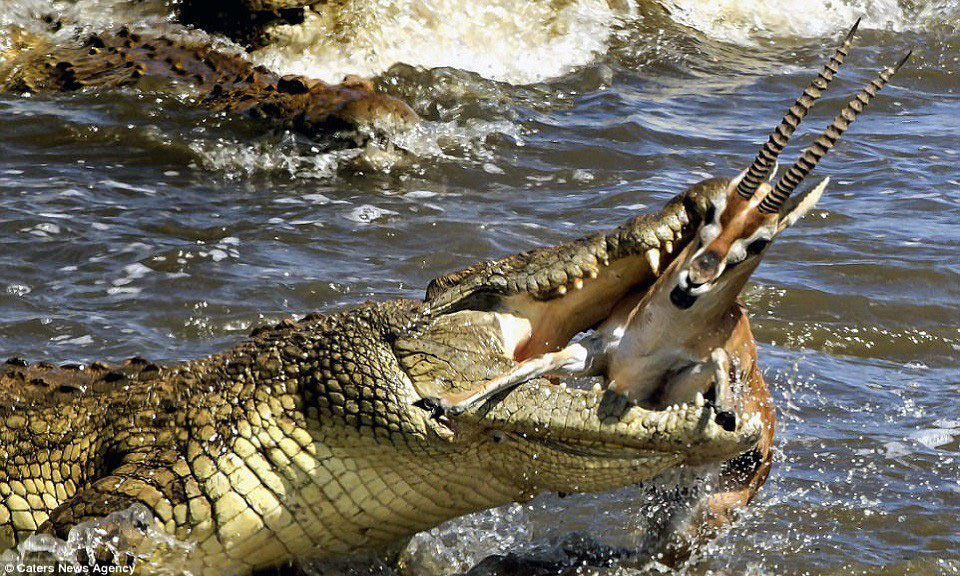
(757, 246)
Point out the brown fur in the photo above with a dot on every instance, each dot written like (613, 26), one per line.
(742, 477)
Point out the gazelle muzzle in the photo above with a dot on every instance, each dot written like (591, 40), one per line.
(682, 298)
(696, 280)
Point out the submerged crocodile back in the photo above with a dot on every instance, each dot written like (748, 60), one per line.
(123, 58)
(220, 79)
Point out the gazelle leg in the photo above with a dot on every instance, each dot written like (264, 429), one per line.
(684, 386)
(574, 360)
(722, 388)
(715, 373)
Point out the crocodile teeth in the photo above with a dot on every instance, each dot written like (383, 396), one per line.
(668, 245)
(592, 274)
(699, 401)
(653, 258)
(578, 283)
(562, 290)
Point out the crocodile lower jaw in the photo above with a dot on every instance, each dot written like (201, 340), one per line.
(584, 423)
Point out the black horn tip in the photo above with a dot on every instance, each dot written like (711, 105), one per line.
(903, 60)
(853, 30)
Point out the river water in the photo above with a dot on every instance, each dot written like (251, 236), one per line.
(133, 224)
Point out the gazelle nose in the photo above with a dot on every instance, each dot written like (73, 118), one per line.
(704, 267)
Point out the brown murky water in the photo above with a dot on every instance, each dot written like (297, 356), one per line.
(133, 224)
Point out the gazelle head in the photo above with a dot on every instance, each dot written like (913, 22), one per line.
(745, 215)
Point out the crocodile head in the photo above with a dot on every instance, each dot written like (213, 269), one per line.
(482, 319)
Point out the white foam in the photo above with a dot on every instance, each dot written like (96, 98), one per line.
(240, 159)
(515, 41)
(18, 289)
(130, 534)
(934, 437)
(749, 21)
(367, 213)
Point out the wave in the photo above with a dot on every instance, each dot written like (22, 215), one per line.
(749, 22)
(515, 41)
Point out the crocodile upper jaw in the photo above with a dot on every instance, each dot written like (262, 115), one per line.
(547, 325)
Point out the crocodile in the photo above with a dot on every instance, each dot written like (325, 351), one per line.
(310, 439)
(216, 79)
(243, 21)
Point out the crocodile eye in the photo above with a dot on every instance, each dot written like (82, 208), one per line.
(757, 246)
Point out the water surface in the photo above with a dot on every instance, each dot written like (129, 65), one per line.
(132, 224)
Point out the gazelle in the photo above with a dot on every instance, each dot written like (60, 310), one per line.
(686, 339)
(666, 346)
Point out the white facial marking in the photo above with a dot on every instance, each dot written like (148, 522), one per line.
(711, 230)
(738, 251)
(701, 289)
(709, 233)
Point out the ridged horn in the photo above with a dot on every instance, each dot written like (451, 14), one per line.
(759, 171)
(812, 155)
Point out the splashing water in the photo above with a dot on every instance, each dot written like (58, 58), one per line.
(747, 22)
(457, 545)
(515, 41)
(127, 538)
(241, 159)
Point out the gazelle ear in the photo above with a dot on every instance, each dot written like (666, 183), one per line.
(797, 206)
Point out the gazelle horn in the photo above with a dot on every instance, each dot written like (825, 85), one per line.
(759, 171)
(812, 155)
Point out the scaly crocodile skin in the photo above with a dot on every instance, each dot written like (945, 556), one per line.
(218, 80)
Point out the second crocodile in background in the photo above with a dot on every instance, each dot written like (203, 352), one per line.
(219, 80)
